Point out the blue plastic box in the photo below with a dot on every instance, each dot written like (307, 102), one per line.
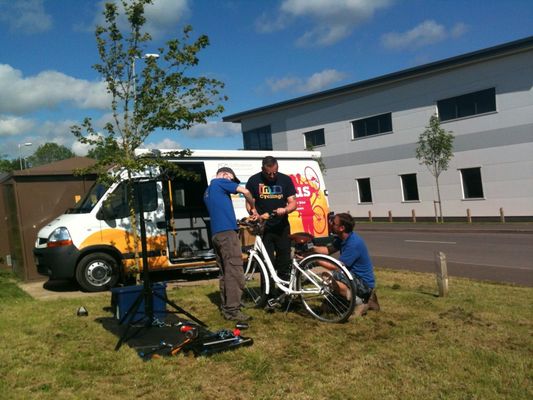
(122, 298)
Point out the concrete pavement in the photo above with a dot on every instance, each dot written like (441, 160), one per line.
(51, 290)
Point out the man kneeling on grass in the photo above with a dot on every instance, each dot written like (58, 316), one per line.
(353, 254)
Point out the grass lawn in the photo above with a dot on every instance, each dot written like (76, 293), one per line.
(475, 344)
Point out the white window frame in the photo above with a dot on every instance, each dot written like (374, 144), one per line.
(463, 197)
(402, 188)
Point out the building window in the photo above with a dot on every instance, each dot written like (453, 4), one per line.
(314, 138)
(372, 125)
(258, 139)
(363, 189)
(466, 105)
(472, 184)
(409, 187)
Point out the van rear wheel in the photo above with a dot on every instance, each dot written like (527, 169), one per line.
(97, 272)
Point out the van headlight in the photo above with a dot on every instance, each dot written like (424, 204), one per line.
(59, 237)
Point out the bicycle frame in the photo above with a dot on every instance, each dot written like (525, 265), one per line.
(259, 253)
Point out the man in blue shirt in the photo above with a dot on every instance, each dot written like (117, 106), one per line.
(217, 198)
(353, 254)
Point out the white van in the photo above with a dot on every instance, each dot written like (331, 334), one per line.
(93, 243)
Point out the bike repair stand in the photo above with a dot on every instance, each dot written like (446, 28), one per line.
(147, 292)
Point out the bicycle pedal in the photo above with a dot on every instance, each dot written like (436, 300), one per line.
(272, 303)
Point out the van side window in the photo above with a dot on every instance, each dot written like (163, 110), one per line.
(116, 205)
(187, 194)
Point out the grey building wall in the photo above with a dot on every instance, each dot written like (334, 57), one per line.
(500, 143)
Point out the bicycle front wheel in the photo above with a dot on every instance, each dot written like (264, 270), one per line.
(254, 284)
(328, 293)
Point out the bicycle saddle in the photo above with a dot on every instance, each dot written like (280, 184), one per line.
(301, 237)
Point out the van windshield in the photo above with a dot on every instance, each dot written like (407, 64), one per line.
(87, 204)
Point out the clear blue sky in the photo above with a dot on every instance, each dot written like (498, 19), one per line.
(264, 51)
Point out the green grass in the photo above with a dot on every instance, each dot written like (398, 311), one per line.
(475, 344)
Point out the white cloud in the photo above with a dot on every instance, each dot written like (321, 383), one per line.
(25, 16)
(14, 126)
(316, 82)
(332, 20)
(82, 149)
(163, 144)
(208, 130)
(18, 130)
(46, 90)
(213, 129)
(427, 33)
(281, 84)
(267, 24)
(162, 16)
(458, 30)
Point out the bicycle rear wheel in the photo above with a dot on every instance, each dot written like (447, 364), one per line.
(254, 285)
(328, 293)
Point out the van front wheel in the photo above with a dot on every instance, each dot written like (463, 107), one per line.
(97, 272)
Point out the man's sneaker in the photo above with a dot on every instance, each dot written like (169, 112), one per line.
(360, 310)
(373, 301)
(237, 316)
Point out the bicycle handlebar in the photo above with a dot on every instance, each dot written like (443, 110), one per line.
(247, 221)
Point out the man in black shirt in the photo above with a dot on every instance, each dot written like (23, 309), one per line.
(274, 192)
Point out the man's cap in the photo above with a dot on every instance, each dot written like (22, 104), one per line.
(228, 169)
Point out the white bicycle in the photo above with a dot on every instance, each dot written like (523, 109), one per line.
(313, 279)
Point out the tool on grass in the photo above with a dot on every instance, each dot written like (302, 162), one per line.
(191, 333)
(151, 353)
(242, 325)
(82, 312)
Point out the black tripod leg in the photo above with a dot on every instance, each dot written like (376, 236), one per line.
(132, 311)
(179, 309)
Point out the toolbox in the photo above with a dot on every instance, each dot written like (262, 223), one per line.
(122, 299)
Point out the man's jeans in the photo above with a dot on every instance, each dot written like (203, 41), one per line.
(231, 280)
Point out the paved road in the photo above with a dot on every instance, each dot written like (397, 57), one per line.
(486, 254)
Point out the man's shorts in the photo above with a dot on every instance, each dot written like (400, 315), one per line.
(361, 289)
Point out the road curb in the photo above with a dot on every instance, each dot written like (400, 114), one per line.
(445, 230)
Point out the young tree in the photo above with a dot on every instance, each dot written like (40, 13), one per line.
(319, 160)
(165, 94)
(101, 152)
(49, 152)
(435, 150)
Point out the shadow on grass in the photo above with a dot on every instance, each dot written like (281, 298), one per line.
(146, 339)
(214, 298)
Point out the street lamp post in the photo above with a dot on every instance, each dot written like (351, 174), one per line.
(20, 152)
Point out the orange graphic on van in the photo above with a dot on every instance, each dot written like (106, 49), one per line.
(311, 214)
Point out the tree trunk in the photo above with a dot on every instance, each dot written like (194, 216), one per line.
(438, 197)
(134, 231)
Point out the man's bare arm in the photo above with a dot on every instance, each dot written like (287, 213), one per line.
(250, 201)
